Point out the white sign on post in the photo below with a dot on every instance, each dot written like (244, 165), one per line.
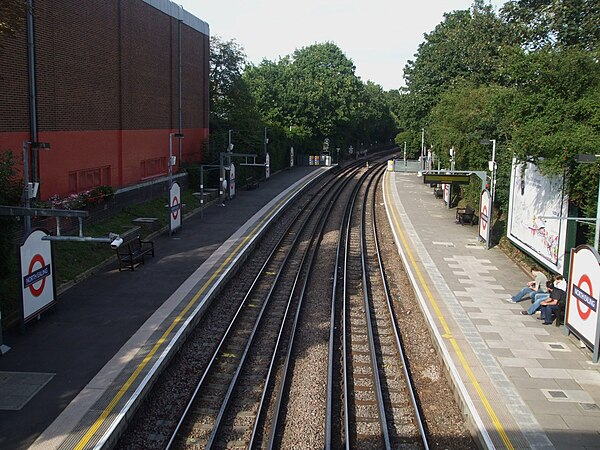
(267, 166)
(37, 275)
(175, 207)
(485, 206)
(232, 180)
(581, 313)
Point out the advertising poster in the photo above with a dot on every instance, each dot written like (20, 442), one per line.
(536, 206)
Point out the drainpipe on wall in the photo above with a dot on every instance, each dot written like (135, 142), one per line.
(180, 83)
(33, 126)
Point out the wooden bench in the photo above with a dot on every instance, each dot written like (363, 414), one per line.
(251, 183)
(133, 249)
(465, 215)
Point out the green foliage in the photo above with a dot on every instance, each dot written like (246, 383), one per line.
(464, 47)
(314, 94)
(10, 195)
(529, 79)
(232, 106)
(555, 23)
(80, 200)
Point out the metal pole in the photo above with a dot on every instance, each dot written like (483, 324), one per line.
(493, 170)
(493, 191)
(221, 178)
(266, 140)
(404, 153)
(201, 192)
(26, 181)
(180, 80)
(32, 85)
(170, 163)
(422, 148)
(597, 234)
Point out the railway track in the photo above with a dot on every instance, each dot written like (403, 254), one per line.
(318, 308)
(225, 407)
(377, 404)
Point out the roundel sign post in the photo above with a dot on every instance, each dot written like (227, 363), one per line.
(485, 206)
(581, 314)
(231, 180)
(38, 291)
(267, 166)
(175, 208)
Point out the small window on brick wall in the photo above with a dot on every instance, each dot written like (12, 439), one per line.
(154, 167)
(82, 180)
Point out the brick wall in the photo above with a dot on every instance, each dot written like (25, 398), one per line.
(107, 89)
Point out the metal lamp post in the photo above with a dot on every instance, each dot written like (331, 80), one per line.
(30, 190)
(171, 163)
(590, 159)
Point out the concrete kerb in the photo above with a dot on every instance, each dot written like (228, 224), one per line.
(113, 433)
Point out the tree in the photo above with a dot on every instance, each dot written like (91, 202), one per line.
(232, 106)
(463, 117)
(555, 23)
(312, 93)
(465, 46)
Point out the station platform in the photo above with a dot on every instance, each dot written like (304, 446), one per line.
(71, 379)
(521, 385)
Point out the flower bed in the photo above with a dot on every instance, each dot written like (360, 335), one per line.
(82, 199)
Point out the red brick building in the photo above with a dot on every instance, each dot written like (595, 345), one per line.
(111, 80)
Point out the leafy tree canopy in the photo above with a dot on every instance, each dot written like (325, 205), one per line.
(232, 106)
(465, 46)
(314, 94)
(555, 23)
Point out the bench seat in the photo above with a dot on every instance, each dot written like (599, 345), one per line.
(133, 250)
(465, 215)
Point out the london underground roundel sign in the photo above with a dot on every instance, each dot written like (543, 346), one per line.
(485, 206)
(175, 207)
(584, 286)
(37, 275)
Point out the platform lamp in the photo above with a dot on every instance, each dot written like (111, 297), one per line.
(171, 159)
(492, 167)
(591, 159)
(31, 189)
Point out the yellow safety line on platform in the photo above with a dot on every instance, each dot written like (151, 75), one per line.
(98, 423)
(447, 332)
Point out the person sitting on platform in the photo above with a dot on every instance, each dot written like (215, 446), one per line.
(557, 300)
(537, 286)
(538, 298)
(560, 282)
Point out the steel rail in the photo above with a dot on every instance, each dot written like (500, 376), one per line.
(345, 348)
(367, 303)
(399, 345)
(286, 365)
(283, 266)
(233, 322)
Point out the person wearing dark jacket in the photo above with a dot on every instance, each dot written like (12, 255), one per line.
(557, 299)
